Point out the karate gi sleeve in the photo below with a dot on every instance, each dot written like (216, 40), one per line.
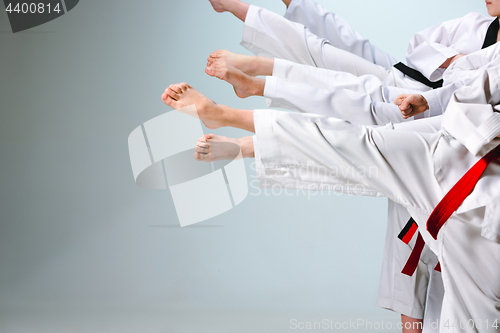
(473, 114)
(488, 57)
(467, 70)
(438, 99)
(430, 48)
(311, 152)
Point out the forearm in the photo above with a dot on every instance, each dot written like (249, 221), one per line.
(449, 61)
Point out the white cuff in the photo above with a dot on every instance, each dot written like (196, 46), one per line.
(435, 107)
(248, 31)
(270, 87)
(485, 133)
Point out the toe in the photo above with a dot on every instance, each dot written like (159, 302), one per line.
(201, 150)
(173, 95)
(175, 88)
(202, 146)
(198, 156)
(170, 102)
(210, 71)
(215, 54)
(202, 157)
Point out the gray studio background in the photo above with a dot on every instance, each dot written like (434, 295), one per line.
(83, 249)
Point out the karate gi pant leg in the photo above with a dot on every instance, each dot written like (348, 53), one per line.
(313, 152)
(397, 292)
(418, 296)
(270, 35)
(337, 31)
(421, 295)
(435, 292)
(334, 94)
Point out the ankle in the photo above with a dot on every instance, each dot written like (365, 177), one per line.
(238, 9)
(246, 146)
(257, 86)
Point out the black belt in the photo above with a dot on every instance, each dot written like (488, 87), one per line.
(417, 76)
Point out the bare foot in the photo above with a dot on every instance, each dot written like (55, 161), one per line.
(213, 147)
(250, 65)
(245, 63)
(244, 85)
(182, 95)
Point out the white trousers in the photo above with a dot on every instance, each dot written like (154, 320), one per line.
(336, 31)
(413, 169)
(269, 35)
(359, 75)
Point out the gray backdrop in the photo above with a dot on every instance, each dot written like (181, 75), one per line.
(83, 249)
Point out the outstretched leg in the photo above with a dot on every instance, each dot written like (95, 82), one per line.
(270, 35)
(249, 65)
(236, 7)
(244, 85)
(182, 95)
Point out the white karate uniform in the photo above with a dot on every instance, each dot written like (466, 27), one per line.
(332, 91)
(269, 35)
(333, 94)
(458, 74)
(415, 170)
(353, 97)
(407, 295)
(397, 292)
(431, 47)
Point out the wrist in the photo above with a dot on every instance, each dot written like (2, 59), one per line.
(426, 104)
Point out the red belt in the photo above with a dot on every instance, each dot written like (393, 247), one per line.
(446, 207)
